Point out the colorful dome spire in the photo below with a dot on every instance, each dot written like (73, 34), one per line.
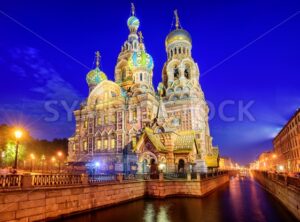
(140, 59)
(133, 22)
(95, 76)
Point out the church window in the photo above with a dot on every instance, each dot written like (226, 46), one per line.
(134, 114)
(187, 72)
(105, 144)
(106, 119)
(176, 73)
(99, 121)
(175, 51)
(179, 50)
(74, 147)
(85, 124)
(85, 145)
(183, 50)
(98, 144)
(141, 76)
(112, 143)
(171, 53)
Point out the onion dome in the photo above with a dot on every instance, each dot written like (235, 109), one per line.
(179, 34)
(140, 60)
(96, 76)
(133, 22)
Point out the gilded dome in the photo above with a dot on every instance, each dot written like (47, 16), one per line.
(178, 35)
(140, 60)
(133, 22)
(95, 76)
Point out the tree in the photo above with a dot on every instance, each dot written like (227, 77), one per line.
(10, 153)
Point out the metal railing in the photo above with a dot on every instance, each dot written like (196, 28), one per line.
(56, 180)
(10, 181)
(281, 178)
(102, 178)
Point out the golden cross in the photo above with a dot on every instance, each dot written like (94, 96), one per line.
(98, 56)
(177, 19)
(132, 9)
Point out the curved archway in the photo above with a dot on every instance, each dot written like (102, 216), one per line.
(181, 164)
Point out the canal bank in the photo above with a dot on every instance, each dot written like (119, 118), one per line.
(242, 200)
(41, 203)
(285, 189)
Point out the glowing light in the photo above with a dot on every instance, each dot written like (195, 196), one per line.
(59, 154)
(18, 134)
(274, 156)
(281, 168)
(97, 164)
(53, 159)
(32, 156)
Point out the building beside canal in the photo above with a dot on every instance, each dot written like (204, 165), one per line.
(287, 145)
(125, 124)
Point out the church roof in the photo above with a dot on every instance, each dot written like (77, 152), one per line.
(184, 142)
(155, 139)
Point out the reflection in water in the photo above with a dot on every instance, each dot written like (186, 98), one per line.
(243, 201)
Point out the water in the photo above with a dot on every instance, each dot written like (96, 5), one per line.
(241, 200)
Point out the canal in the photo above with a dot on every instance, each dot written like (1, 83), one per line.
(241, 200)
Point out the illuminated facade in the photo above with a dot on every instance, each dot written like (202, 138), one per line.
(126, 124)
(287, 145)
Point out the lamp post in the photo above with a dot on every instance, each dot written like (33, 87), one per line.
(18, 135)
(59, 154)
(53, 159)
(32, 157)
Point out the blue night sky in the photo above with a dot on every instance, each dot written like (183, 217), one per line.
(246, 51)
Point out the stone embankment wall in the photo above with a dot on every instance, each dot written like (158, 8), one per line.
(279, 186)
(45, 203)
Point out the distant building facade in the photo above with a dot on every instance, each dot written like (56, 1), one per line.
(287, 145)
(125, 124)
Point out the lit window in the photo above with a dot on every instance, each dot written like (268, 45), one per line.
(99, 120)
(105, 144)
(105, 119)
(112, 143)
(85, 145)
(98, 144)
(85, 124)
(74, 147)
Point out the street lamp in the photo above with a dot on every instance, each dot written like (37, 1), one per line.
(18, 135)
(59, 154)
(32, 159)
(53, 159)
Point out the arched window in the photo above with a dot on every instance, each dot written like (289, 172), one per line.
(176, 73)
(112, 143)
(171, 53)
(98, 144)
(105, 143)
(85, 145)
(187, 72)
(175, 51)
(183, 50)
(179, 50)
(141, 76)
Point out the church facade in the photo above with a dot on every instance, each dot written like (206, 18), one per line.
(125, 124)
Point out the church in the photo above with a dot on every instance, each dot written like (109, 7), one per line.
(125, 124)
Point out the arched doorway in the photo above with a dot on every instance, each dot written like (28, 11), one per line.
(146, 159)
(181, 166)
